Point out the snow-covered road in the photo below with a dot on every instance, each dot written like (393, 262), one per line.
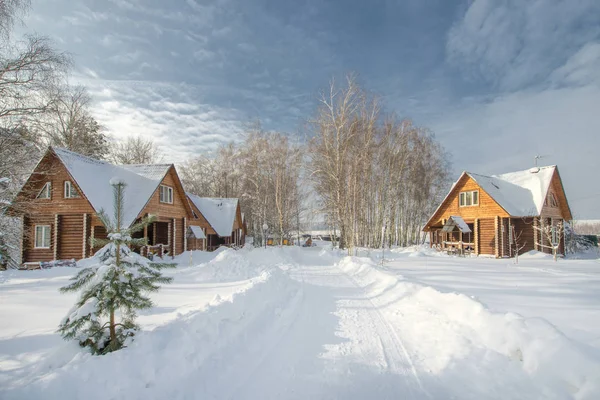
(309, 324)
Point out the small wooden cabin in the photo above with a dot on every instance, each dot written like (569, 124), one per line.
(224, 218)
(60, 201)
(486, 214)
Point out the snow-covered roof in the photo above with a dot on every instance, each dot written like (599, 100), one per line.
(520, 193)
(220, 213)
(93, 178)
(456, 221)
(150, 171)
(197, 232)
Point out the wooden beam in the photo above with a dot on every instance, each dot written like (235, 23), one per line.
(476, 229)
(509, 241)
(535, 233)
(174, 236)
(502, 232)
(496, 244)
(84, 247)
(22, 244)
(185, 245)
(56, 221)
(92, 240)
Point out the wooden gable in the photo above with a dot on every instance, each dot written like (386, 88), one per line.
(237, 222)
(180, 207)
(50, 169)
(556, 204)
(487, 207)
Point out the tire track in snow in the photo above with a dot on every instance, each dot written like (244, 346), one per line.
(383, 326)
(296, 304)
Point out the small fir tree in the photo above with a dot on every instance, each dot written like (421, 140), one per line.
(115, 287)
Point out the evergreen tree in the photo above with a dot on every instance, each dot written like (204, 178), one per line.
(116, 286)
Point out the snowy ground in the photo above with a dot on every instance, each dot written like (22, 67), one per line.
(308, 323)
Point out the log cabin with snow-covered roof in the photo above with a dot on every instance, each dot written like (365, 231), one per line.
(66, 191)
(499, 215)
(225, 220)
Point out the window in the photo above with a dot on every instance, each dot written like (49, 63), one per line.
(470, 198)
(554, 236)
(166, 194)
(42, 236)
(45, 192)
(553, 202)
(70, 191)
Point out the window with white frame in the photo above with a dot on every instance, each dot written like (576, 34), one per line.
(70, 191)
(166, 194)
(42, 236)
(45, 192)
(554, 236)
(470, 198)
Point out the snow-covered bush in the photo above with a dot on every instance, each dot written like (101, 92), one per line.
(576, 243)
(116, 286)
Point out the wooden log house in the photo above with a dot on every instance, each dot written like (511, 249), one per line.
(224, 216)
(485, 214)
(67, 190)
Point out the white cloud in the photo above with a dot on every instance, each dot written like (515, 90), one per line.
(582, 68)
(512, 43)
(165, 112)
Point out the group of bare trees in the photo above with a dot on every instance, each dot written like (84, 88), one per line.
(378, 178)
(263, 171)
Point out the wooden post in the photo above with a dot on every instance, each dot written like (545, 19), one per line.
(92, 240)
(535, 233)
(174, 237)
(443, 234)
(502, 237)
(22, 243)
(496, 249)
(154, 233)
(476, 228)
(509, 237)
(169, 236)
(542, 223)
(185, 245)
(84, 244)
(56, 220)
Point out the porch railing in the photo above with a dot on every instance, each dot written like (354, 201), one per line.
(157, 250)
(458, 248)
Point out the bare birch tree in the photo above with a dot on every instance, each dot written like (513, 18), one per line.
(377, 181)
(134, 150)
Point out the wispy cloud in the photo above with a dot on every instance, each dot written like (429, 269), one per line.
(514, 43)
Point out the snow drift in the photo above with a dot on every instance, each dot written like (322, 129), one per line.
(165, 362)
(450, 328)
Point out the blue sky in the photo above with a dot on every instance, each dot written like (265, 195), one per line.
(497, 81)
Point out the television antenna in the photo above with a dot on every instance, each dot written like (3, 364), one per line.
(536, 158)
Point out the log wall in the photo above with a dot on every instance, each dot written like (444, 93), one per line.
(487, 236)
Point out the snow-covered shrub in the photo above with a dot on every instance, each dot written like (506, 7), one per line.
(576, 243)
(116, 286)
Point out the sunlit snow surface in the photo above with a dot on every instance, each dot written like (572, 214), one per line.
(310, 323)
